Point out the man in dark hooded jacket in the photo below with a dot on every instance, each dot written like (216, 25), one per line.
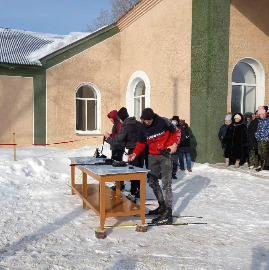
(128, 135)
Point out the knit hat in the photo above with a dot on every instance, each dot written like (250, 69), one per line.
(237, 116)
(261, 110)
(228, 117)
(176, 118)
(122, 113)
(147, 114)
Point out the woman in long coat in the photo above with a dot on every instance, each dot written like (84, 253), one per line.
(236, 140)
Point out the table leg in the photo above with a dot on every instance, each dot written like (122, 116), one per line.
(102, 198)
(143, 198)
(72, 179)
(117, 188)
(84, 188)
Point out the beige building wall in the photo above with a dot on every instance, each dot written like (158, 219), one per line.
(249, 28)
(159, 44)
(99, 65)
(16, 110)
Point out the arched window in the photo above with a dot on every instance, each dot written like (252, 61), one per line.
(248, 86)
(87, 109)
(138, 93)
(139, 99)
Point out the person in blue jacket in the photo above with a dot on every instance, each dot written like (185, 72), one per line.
(262, 136)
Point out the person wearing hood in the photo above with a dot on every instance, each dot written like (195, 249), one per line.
(185, 148)
(247, 118)
(117, 149)
(160, 134)
(128, 135)
(235, 140)
(253, 157)
(262, 136)
(176, 121)
(223, 129)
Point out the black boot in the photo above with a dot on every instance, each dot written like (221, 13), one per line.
(165, 218)
(158, 211)
(122, 186)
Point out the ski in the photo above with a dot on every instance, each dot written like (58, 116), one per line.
(175, 216)
(154, 224)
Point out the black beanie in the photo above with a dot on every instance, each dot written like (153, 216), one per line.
(147, 114)
(176, 118)
(122, 113)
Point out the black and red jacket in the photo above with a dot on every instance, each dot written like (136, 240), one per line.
(159, 135)
(115, 130)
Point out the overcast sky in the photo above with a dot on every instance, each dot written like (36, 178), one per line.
(50, 16)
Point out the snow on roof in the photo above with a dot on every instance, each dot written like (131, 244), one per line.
(25, 47)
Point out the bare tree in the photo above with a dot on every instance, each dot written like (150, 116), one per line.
(103, 19)
(120, 7)
(106, 17)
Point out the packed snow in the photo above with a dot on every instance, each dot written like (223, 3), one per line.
(44, 227)
(59, 42)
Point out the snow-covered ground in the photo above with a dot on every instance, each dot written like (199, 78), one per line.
(44, 227)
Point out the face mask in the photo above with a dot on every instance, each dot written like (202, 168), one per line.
(174, 123)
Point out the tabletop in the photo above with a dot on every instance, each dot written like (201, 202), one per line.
(105, 169)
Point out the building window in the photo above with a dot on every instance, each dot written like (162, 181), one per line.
(138, 94)
(248, 86)
(87, 109)
(139, 99)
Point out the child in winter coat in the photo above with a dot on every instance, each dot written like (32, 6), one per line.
(184, 146)
(175, 120)
(223, 128)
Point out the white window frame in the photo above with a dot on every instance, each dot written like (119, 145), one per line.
(260, 80)
(135, 78)
(139, 98)
(244, 85)
(98, 109)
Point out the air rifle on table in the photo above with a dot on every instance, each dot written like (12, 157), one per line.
(107, 161)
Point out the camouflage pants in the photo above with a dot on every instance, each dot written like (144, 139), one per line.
(157, 164)
(262, 150)
(253, 158)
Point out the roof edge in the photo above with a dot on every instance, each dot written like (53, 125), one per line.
(78, 42)
(136, 12)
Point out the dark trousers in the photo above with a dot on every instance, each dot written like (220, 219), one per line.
(145, 156)
(267, 155)
(138, 162)
(117, 154)
(157, 164)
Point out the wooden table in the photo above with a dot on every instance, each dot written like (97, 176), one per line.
(104, 201)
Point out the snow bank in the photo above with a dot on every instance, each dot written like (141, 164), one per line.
(44, 227)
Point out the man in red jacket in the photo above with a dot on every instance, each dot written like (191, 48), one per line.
(159, 133)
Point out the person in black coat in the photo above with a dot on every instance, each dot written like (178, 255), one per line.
(223, 129)
(252, 142)
(128, 135)
(236, 140)
(184, 147)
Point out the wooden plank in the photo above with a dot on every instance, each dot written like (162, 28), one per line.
(114, 205)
